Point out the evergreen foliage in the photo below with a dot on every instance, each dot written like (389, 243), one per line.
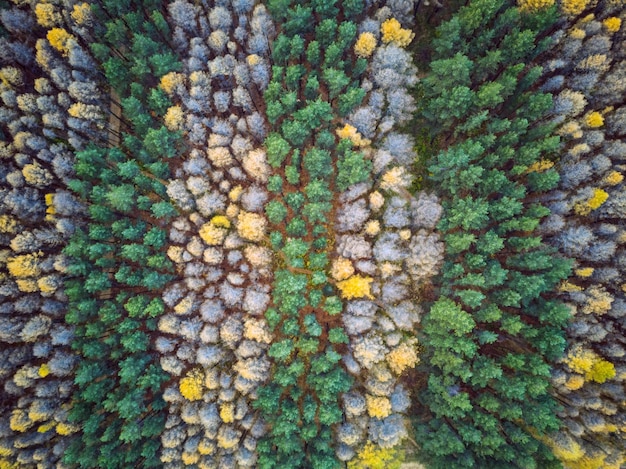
(211, 253)
(117, 265)
(493, 329)
(307, 378)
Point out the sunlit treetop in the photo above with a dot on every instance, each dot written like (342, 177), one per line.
(392, 31)
(47, 16)
(612, 24)
(574, 7)
(59, 38)
(534, 5)
(81, 13)
(365, 44)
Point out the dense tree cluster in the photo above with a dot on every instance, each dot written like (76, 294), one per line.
(243, 233)
(117, 265)
(310, 164)
(385, 251)
(213, 338)
(585, 72)
(40, 85)
(496, 323)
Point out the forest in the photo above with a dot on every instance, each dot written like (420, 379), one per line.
(312, 234)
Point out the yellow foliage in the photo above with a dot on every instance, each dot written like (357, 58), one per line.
(392, 32)
(235, 193)
(174, 118)
(42, 55)
(65, 429)
(48, 284)
(601, 371)
(184, 306)
(577, 33)
(612, 24)
(614, 178)
(403, 357)
(374, 457)
(569, 287)
(42, 85)
(387, 269)
(227, 412)
(4, 464)
(540, 166)
(577, 100)
(341, 269)
(81, 13)
(190, 458)
(19, 421)
(85, 111)
(588, 462)
(585, 272)
(221, 221)
(206, 447)
(257, 330)
(5, 451)
(597, 199)
(405, 234)
(571, 129)
(378, 407)
(44, 370)
(580, 360)
(175, 253)
(596, 62)
(566, 449)
(251, 226)
(258, 256)
(598, 302)
(226, 440)
(253, 60)
(395, 178)
(534, 5)
(11, 76)
(46, 427)
(49, 198)
(27, 285)
(356, 286)
(594, 119)
(46, 15)
(220, 156)
(58, 38)
(170, 81)
(350, 133)
(232, 211)
(574, 7)
(365, 44)
(37, 416)
(26, 265)
(372, 228)
(36, 175)
(212, 235)
(376, 200)
(192, 386)
(7, 224)
(591, 365)
(575, 382)
(20, 139)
